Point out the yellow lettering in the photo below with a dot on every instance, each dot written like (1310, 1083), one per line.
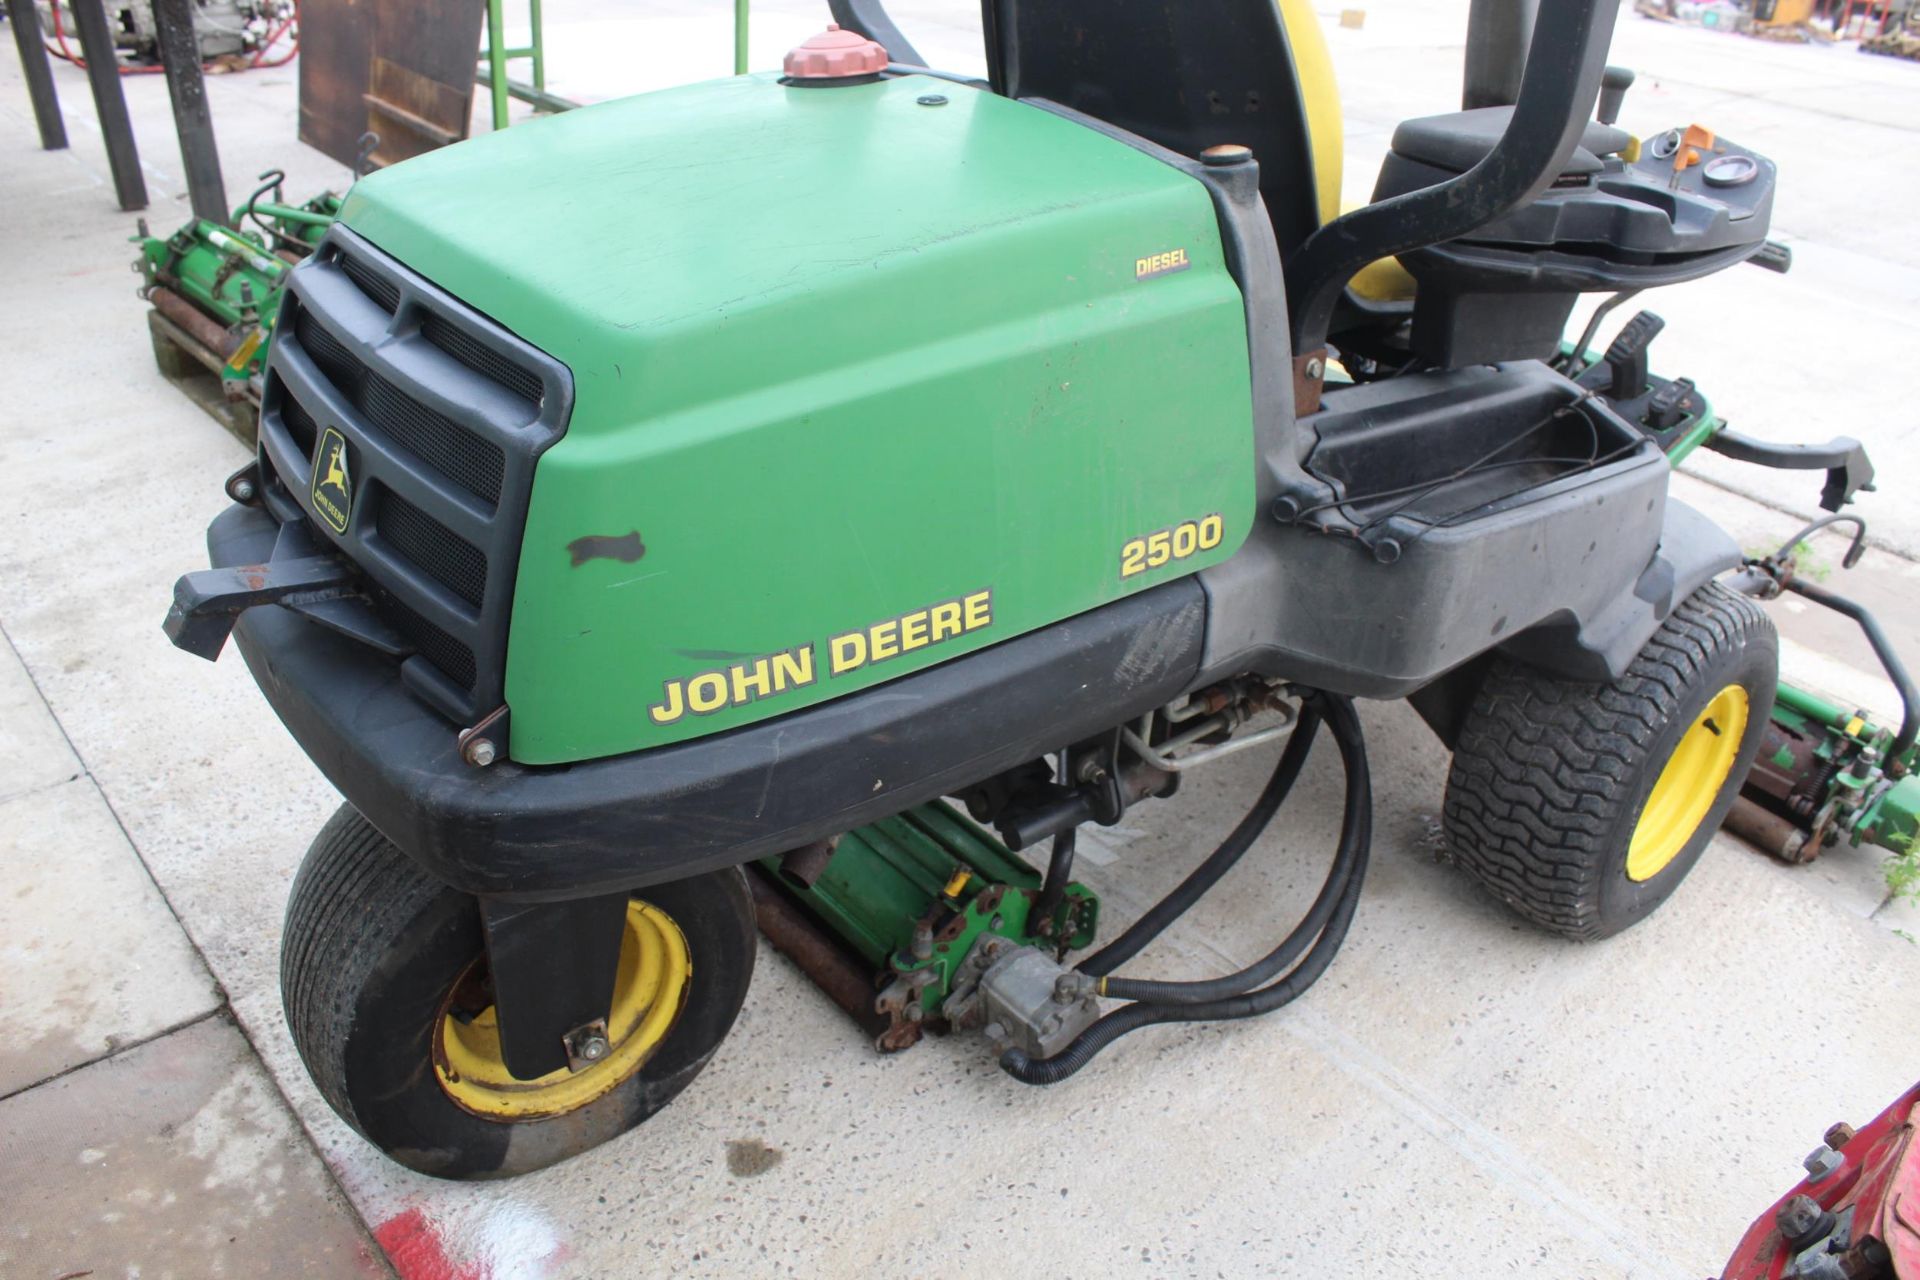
(793, 668)
(979, 610)
(1160, 263)
(756, 678)
(707, 692)
(671, 707)
(913, 630)
(849, 651)
(946, 621)
(885, 639)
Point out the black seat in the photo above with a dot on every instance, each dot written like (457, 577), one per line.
(1185, 76)
(1462, 139)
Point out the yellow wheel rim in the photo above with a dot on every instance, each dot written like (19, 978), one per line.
(648, 993)
(1688, 785)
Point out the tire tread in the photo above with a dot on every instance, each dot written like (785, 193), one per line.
(354, 891)
(1544, 768)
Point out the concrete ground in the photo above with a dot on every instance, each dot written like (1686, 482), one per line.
(1460, 1096)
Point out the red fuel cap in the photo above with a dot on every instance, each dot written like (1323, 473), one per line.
(835, 55)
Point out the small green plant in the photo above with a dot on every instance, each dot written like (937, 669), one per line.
(1903, 875)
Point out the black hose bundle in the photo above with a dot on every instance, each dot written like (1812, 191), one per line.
(1318, 935)
(1221, 860)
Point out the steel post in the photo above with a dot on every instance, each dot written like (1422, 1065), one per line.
(739, 37)
(110, 101)
(192, 115)
(24, 15)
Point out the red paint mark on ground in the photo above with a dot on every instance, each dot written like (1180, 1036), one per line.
(414, 1247)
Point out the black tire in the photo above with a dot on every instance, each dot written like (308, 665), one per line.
(1550, 775)
(372, 949)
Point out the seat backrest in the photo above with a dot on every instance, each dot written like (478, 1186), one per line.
(1189, 76)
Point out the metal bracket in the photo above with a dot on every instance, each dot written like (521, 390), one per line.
(553, 967)
(899, 1003)
(1094, 765)
(484, 742)
(587, 1044)
(244, 486)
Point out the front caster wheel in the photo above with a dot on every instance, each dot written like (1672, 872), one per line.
(383, 974)
(1583, 806)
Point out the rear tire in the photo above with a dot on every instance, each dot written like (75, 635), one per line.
(373, 951)
(1552, 778)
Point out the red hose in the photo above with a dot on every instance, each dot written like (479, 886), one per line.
(66, 54)
(273, 38)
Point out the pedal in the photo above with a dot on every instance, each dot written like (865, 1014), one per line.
(1627, 356)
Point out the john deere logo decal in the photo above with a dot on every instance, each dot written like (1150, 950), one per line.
(332, 487)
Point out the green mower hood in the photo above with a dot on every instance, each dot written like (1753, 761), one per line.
(842, 355)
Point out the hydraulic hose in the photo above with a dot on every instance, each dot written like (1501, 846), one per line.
(1356, 828)
(1349, 869)
(1221, 860)
(1132, 1017)
(1053, 889)
(1882, 649)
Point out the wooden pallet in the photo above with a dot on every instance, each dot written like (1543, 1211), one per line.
(189, 365)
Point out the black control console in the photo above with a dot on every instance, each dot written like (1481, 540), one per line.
(1624, 214)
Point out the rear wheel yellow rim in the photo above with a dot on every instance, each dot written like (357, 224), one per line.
(648, 993)
(1688, 784)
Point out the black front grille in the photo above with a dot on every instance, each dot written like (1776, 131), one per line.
(444, 415)
(524, 383)
(453, 659)
(464, 458)
(448, 559)
(300, 425)
(384, 292)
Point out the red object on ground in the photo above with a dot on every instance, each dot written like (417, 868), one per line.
(413, 1245)
(1879, 1180)
(834, 55)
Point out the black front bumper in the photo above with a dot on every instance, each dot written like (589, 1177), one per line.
(565, 831)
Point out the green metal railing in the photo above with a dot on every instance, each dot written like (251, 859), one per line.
(499, 83)
(503, 87)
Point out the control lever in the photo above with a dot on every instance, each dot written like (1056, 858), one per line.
(1614, 83)
(1669, 406)
(1627, 356)
(1843, 459)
